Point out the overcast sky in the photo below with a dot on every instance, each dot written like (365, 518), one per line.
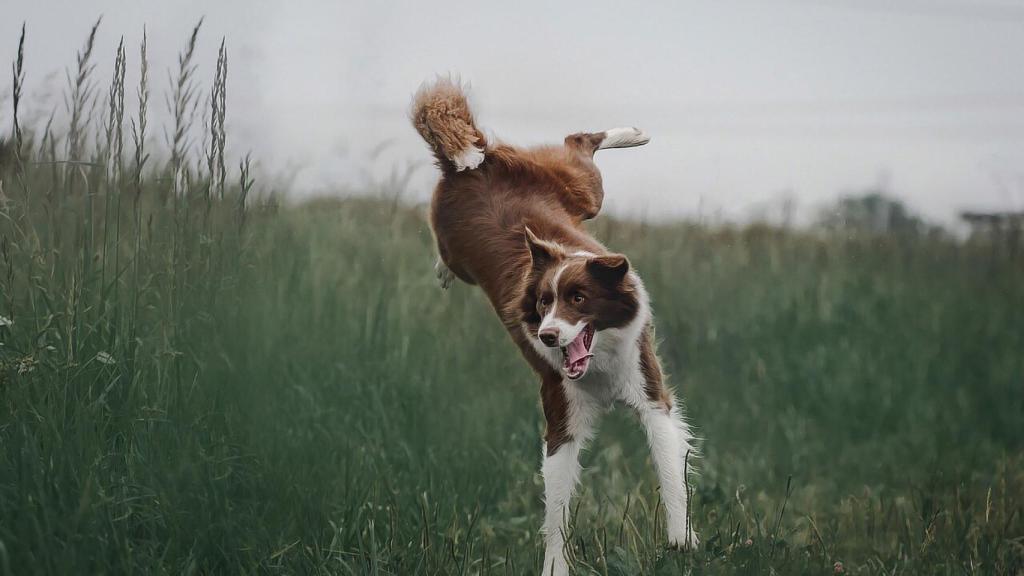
(747, 102)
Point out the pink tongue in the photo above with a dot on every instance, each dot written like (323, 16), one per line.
(577, 350)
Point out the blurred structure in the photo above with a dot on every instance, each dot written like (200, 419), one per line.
(1000, 229)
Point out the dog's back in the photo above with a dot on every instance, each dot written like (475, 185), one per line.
(488, 193)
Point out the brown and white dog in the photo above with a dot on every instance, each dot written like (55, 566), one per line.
(510, 221)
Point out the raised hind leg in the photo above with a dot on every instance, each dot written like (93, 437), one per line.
(585, 194)
(589, 142)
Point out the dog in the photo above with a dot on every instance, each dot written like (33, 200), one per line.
(509, 220)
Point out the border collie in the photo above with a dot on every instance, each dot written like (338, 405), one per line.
(510, 221)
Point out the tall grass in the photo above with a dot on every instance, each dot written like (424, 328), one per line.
(193, 380)
(107, 278)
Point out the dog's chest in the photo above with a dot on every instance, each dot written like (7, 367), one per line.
(614, 372)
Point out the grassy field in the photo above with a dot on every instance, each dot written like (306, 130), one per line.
(195, 382)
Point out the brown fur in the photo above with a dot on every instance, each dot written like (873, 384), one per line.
(480, 219)
(654, 379)
(556, 411)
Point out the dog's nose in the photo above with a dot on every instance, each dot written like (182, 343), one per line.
(549, 336)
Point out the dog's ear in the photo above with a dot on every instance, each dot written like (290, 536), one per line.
(611, 268)
(542, 252)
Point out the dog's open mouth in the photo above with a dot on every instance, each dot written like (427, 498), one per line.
(576, 356)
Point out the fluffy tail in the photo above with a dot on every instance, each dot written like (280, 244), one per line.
(441, 115)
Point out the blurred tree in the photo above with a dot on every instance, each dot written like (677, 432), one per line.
(873, 211)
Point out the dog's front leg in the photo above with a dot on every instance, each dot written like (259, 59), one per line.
(570, 417)
(561, 474)
(670, 441)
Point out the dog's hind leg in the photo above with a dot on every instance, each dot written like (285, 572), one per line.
(444, 274)
(447, 270)
(584, 194)
(589, 142)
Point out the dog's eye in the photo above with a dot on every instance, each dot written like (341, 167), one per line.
(577, 298)
(545, 301)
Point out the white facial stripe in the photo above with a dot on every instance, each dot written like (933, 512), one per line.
(566, 332)
(554, 280)
(549, 319)
(583, 254)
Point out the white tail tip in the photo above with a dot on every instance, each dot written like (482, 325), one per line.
(468, 159)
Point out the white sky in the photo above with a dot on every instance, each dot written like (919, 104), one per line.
(747, 101)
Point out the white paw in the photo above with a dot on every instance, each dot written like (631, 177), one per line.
(444, 275)
(554, 564)
(623, 138)
(683, 539)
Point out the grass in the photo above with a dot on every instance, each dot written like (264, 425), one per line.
(196, 380)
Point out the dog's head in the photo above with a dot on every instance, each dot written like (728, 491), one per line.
(571, 297)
